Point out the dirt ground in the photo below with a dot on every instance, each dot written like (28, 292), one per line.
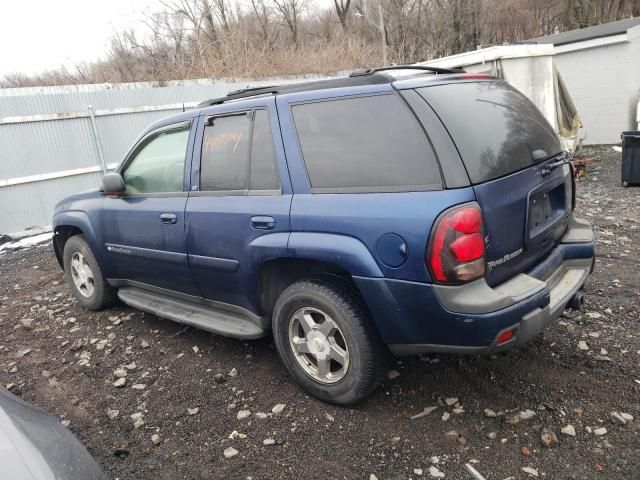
(64, 359)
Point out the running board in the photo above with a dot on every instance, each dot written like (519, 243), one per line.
(222, 322)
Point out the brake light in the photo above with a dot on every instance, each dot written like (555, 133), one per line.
(456, 249)
(468, 247)
(475, 76)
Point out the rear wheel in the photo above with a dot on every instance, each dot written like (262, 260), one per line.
(84, 277)
(325, 338)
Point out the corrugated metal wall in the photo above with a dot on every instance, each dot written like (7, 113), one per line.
(37, 142)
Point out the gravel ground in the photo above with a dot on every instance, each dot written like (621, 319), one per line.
(179, 410)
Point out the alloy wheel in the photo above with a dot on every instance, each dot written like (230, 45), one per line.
(318, 345)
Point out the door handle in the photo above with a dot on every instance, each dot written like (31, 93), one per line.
(263, 223)
(168, 218)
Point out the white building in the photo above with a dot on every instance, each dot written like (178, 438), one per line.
(595, 69)
(601, 68)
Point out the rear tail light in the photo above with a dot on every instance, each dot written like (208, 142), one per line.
(475, 76)
(504, 337)
(456, 248)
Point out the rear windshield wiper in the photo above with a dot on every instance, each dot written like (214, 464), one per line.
(552, 166)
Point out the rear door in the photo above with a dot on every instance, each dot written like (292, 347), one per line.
(507, 147)
(240, 193)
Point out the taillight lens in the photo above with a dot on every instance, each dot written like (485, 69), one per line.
(475, 76)
(504, 337)
(456, 248)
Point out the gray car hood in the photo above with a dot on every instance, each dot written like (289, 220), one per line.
(36, 446)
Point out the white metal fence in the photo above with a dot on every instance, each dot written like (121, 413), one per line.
(55, 141)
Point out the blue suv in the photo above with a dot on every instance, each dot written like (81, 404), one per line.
(349, 218)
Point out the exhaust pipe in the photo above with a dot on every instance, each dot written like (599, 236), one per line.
(577, 301)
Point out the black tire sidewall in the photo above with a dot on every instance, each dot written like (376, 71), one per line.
(351, 388)
(79, 244)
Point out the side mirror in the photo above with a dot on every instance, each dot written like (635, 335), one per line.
(112, 184)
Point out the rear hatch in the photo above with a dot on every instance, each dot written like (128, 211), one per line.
(516, 164)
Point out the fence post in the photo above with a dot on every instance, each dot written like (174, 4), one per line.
(96, 139)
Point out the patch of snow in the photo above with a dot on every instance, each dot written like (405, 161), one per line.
(26, 242)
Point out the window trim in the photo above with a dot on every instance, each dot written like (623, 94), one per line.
(154, 195)
(235, 193)
(367, 189)
(140, 144)
(235, 113)
(454, 173)
(251, 112)
(387, 189)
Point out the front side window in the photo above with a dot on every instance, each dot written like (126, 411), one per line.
(238, 154)
(158, 164)
(369, 143)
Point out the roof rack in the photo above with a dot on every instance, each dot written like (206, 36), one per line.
(359, 77)
(371, 71)
(241, 93)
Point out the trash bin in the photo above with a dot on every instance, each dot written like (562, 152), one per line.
(631, 158)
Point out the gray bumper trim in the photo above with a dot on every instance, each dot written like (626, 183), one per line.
(563, 285)
(565, 282)
(479, 297)
(578, 231)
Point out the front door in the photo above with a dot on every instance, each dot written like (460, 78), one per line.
(238, 210)
(144, 229)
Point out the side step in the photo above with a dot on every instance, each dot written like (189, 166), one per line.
(205, 317)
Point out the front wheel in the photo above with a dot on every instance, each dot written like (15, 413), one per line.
(326, 340)
(84, 277)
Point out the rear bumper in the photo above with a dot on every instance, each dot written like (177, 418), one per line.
(416, 318)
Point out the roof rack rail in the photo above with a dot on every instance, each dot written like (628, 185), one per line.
(371, 71)
(241, 93)
(343, 81)
(249, 89)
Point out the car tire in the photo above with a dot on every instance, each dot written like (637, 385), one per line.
(319, 318)
(83, 275)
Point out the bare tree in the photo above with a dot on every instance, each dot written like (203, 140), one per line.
(342, 9)
(227, 38)
(290, 12)
(263, 17)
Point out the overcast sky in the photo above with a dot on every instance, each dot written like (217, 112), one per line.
(37, 35)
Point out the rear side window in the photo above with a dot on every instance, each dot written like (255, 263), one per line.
(238, 154)
(496, 128)
(365, 144)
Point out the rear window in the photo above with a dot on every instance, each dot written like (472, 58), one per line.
(364, 144)
(495, 127)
